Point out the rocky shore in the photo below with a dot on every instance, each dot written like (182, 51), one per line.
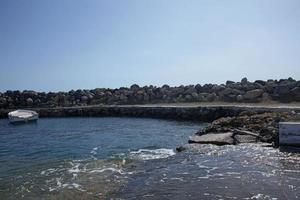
(247, 127)
(231, 124)
(283, 90)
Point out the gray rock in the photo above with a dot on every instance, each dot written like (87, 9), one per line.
(188, 97)
(266, 97)
(218, 88)
(213, 138)
(211, 97)
(244, 139)
(84, 98)
(190, 90)
(253, 94)
(134, 87)
(195, 95)
(229, 82)
(198, 87)
(29, 101)
(282, 89)
(261, 82)
(244, 81)
(240, 98)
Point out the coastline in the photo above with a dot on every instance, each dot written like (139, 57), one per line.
(206, 112)
(229, 121)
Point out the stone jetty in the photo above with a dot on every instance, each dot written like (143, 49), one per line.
(283, 90)
(238, 111)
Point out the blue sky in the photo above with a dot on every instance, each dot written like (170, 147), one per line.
(58, 45)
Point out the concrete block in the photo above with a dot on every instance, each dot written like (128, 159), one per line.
(289, 133)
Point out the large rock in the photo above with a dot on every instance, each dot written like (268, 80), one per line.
(213, 138)
(244, 81)
(229, 82)
(29, 101)
(245, 139)
(134, 87)
(253, 94)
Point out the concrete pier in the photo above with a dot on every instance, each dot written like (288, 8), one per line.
(289, 133)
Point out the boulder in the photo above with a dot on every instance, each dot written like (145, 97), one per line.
(295, 92)
(240, 98)
(266, 97)
(270, 85)
(84, 99)
(261, 82)
(282, 89)
(211, 97)
(195, 95)
(244, 139)
(253, 94)
(213, 138)
(218, 88)
(29, 101)
(134, 87)
(229, 82)
(244, 81)
(190, 90)
(29, 93)
(198, 87)
(188, 97)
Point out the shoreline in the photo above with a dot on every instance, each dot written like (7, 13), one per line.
(231, 123)
(206, 112)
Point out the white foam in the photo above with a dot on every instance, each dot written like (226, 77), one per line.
(94, 151)
(105, 169)
(75, 168)
(262, 196)
(150, 154)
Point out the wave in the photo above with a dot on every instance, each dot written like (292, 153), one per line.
(151, 154)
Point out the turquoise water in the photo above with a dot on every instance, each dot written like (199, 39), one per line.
(132, 158)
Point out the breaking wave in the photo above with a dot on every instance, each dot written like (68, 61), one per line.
(151, 154)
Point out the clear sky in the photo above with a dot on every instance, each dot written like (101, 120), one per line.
(58, 45)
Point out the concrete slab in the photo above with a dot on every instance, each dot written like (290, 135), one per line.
(289, 133)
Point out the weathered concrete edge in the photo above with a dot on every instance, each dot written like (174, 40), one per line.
(200, 113)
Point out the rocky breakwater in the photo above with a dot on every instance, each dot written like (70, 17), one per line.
(247, 127)
(283, 90)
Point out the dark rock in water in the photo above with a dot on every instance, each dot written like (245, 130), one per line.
(190, 147)
(213, 138)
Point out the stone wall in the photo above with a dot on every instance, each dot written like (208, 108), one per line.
(283, 90)
(199, 113)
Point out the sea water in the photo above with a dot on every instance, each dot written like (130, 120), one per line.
(134, 158)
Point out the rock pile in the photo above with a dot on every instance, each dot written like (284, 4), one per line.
(247, 127)
(283, 90)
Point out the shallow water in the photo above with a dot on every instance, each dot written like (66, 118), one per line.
(130, 158)
(81, 157)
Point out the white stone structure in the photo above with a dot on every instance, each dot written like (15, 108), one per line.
(289, 133)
